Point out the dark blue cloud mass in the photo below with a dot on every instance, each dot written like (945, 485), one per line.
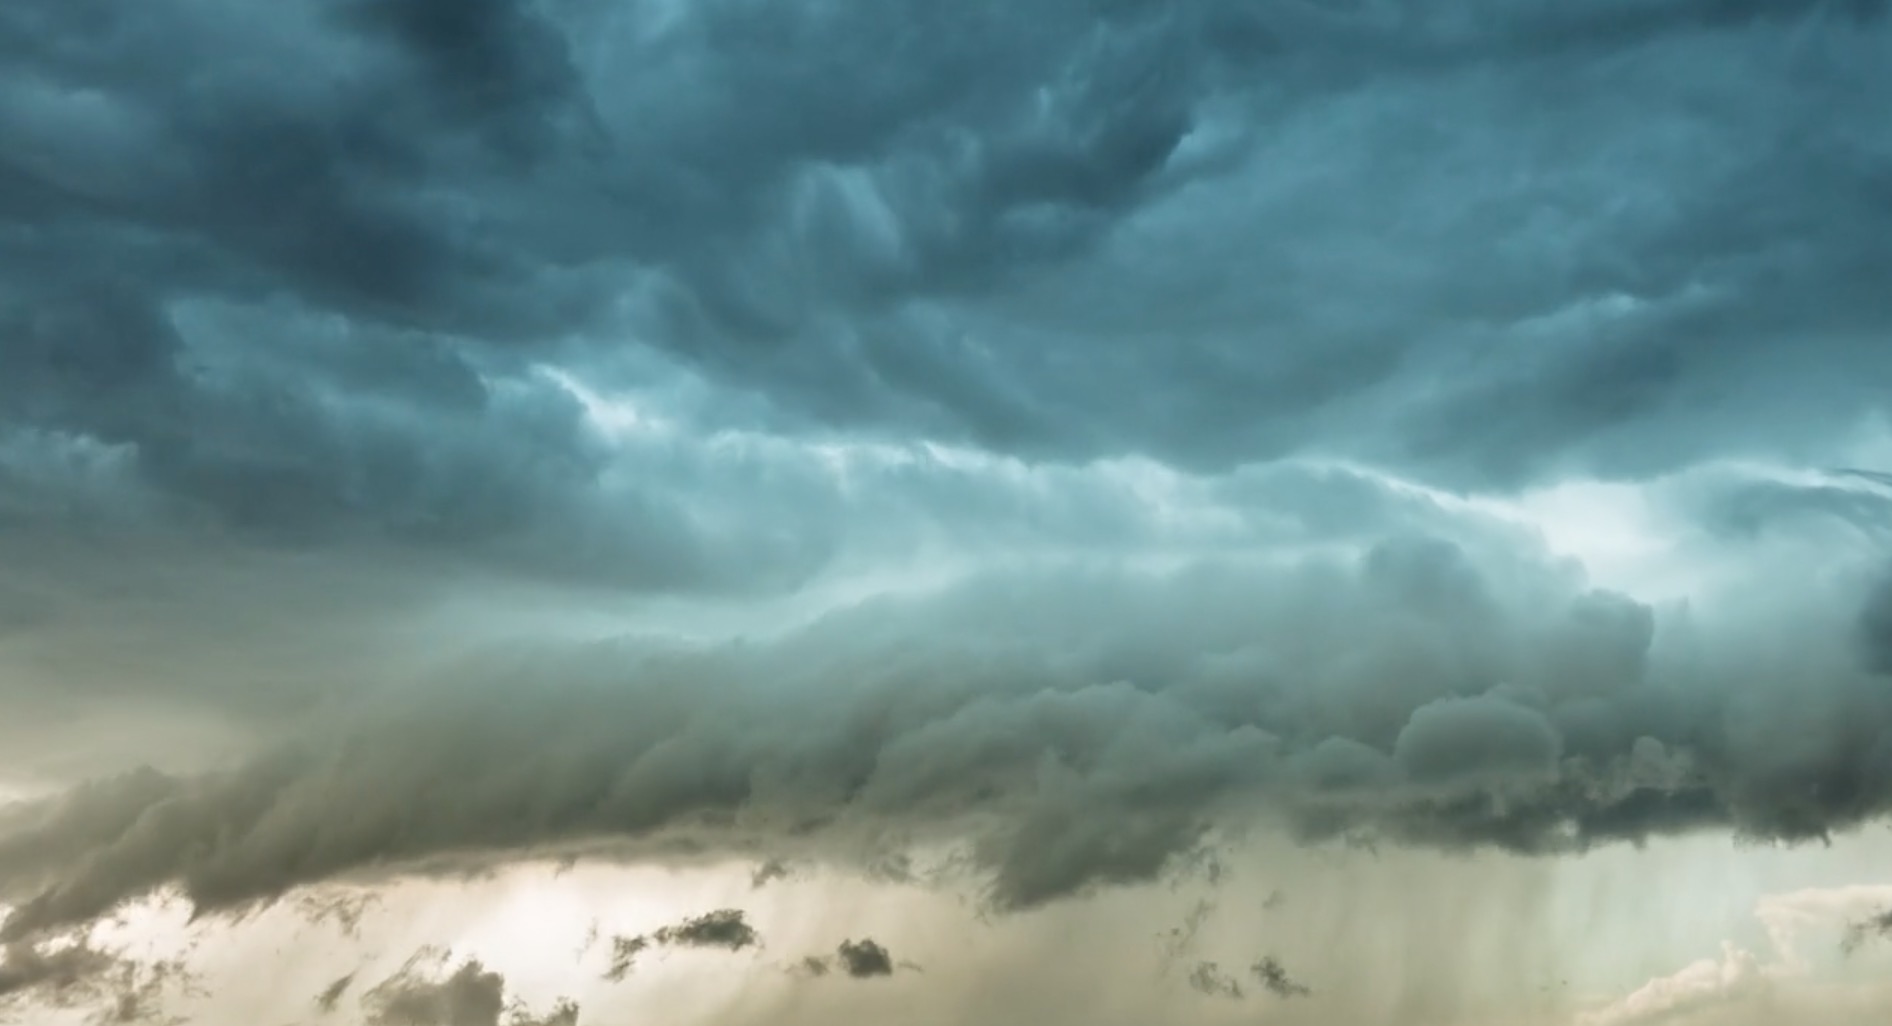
(1106, 423)
(1491, 243)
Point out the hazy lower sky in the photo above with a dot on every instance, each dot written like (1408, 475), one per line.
(1325, 512)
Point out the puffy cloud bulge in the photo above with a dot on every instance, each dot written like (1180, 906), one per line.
(1079, 432)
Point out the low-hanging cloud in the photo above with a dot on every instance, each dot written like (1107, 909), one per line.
(1074, 729)
(419, 994)
(727, 929)
(27, 967)
(79, 973)
(1273, 978)
(815, 222)
(864, 959)
(1030, 447)
(1209, 979)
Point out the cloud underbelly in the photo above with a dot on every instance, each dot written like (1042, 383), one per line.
(1066, 730)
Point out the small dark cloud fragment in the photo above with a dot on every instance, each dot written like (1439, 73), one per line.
(1208, 978)
(1425, 694)
(811, 967)
(137, 990)
(471, 995)
(769, 872)
(1872, 928)
(1202, 863)
(564, 1013)
(1180, 940)
(331, 995)
(1275, 979)
(727, 929)
(624, 952)
(345, 910)
(864, 958)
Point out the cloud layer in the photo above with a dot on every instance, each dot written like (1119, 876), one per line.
(1074, 728)
(1035, 447)
(305, 292)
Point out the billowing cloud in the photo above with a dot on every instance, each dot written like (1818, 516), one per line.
(35, 967)
(863, 959)
(79, 973)
(874, 221)
(1035, 447)
(1077, 728)
(470, 995)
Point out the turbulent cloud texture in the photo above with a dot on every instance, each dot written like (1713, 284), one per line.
(864, 959)
(1080, 728)
(1027, 446)
(294, 274)
(725, 928)
(470, 995)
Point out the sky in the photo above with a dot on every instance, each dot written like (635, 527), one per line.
(556, 512)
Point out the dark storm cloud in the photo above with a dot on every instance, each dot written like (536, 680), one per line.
(76, 973)
(29, 967)
(1075, 729)
(126, 612)
(1875, 627)
(769, 872)
(624, 953)
(1083, 229)
(811, 967)
(727, 929)
(456, 298)
(471, 995)
(1207, 978)
(1868, 929)
(864, 959)
(1757, 508)
(1275, 979)
(344, 911)
(331, 995)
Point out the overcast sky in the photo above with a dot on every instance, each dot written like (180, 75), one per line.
(1002, 464)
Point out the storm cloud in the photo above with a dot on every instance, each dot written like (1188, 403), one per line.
(1033, 447)
(302, 290)
(864, 959)
(726, 929)
(1076, 728)
(469, 995)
